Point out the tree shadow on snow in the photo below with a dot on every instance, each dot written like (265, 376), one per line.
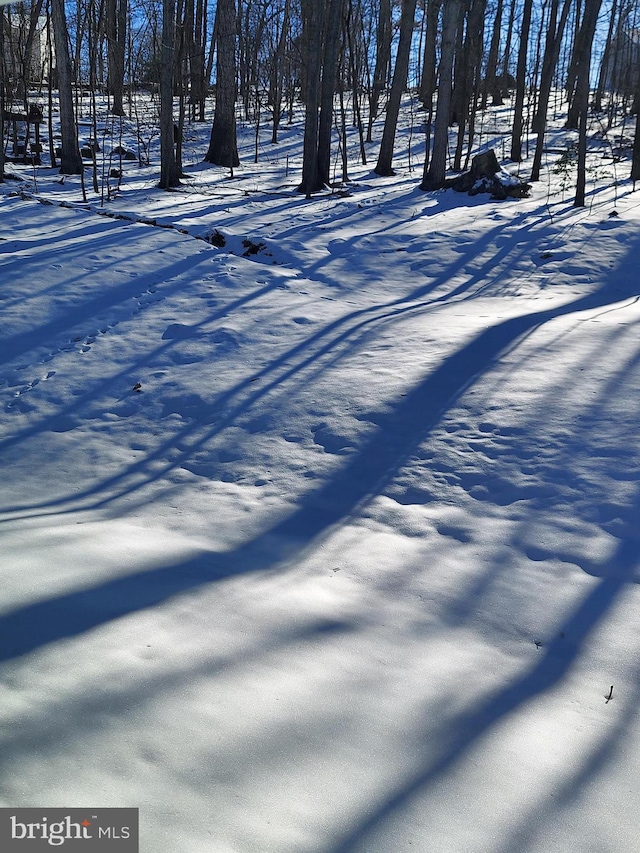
(363, 476)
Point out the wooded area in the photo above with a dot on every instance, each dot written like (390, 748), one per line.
(345, 62)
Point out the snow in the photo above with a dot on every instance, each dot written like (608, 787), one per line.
(332, 546)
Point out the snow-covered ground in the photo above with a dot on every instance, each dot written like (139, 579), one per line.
(325, 540)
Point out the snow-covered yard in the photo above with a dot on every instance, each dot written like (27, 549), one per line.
(327, 539)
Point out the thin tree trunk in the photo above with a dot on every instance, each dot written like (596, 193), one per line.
(471, 58)
(581, 97)
(277, 71)
(401, 70)
(116, 32)
(34, 17)
(606, 58)
(434, 173)
(635, 164)
(582, 61)
(383, 60)
(70, 161)
(333, 29)
(169, 171)
(428, 80)
(490, 86)
(516, 138)
(551, 54)
(507, 48)
(2, 90)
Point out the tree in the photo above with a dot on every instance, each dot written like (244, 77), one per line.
(333, 31)
(490, 84)
(581, 61)
(635, 163)
(1, 94)
(116, 32)
(70, 160)
(428, 78)
(467, 75)
(383, 60)
(223, 144)
(198, 91)
(516, 137)
(169, 171)
(555, 31)
(435, 170)
(312, 25)
(276, 77)
(385, 155)
(580, 103)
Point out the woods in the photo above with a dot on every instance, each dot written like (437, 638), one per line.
(343, 62)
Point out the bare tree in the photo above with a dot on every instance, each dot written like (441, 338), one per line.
(223, 144)
(276, 77)
(70, 160)
(555, 31)
(385, 155)
(521, 73)
(428, 77)
(435, 169)
(116, 32)
(580, 104)
(383, 61)
(169, 171)
(467, 75)
(312, 26)
(581, 61)
(490, 86)
(2, 94)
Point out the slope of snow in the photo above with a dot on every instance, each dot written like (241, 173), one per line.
(326, 539)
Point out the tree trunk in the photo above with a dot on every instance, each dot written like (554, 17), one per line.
(116, 32)
(70, 161)
(428, 79)
(312, 24)
(333, 30)
(277, 71)
(606, 58)
(169, 171)
(580, 103)
(581, 60)
(466, 84)
(489, 86)
(551, 54)
(635, 164)
(434, 172)
(383, 59)
(27, 55)
(516, 138)
(2, 104)
(385, 155)
(197, 65)
(506, 59)
(223, 145)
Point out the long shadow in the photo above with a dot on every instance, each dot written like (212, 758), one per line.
(547, 810)
(336, 334)
(470, 727)
(363, 476)
(320, 344)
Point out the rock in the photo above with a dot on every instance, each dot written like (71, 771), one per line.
(485, 165)
(486, 176)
